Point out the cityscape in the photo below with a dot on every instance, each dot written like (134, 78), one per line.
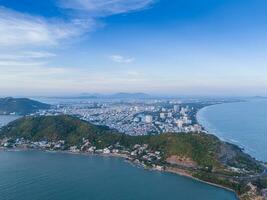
(138, 117)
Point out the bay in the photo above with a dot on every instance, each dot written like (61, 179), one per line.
(33, 175)
(5, 119)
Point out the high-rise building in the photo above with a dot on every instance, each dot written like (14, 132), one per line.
(176, 108)
(179, 123)
(148, 119)
(162, 115)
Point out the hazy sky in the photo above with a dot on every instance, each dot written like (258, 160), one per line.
(154, 46)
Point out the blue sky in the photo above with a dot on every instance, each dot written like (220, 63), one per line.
(201, 47)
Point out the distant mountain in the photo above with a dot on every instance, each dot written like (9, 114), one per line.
(121, 95)
(21, 106)
(91, 94)
(259, 97)
(130, 95)
(76, 97)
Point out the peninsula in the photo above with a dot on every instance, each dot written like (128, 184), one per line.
(197, 155)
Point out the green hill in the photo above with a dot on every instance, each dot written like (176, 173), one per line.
(54, 128)
(21, 106)
(204, 149)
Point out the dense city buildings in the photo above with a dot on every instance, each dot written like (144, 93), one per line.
(135, 117)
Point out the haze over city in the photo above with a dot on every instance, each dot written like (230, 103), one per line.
(64, 47)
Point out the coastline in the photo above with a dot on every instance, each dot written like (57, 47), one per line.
(175, 171)
(213, 132)
(231, 141)
(208, 129)
(188, 175)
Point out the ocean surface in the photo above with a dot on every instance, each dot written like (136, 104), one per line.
(5, 119)
(36, 175)
(243, 123)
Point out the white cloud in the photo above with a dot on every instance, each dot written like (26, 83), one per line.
(25, 42)
(106, 7)
(11, 63)
(37, 79)
(38, 54)
(25, 59)
(17, 29)
(23, 29)
(26, 55)
(121, 59)
(21, 34)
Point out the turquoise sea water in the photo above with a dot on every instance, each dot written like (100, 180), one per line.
(243, 123)
(57, 176)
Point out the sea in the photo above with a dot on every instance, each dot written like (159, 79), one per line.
(5, 119)
(34, 175)
(241, 123)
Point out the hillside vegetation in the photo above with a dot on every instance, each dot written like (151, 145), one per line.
(54, 128)
(204, 149)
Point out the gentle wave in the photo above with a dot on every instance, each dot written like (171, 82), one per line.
(243, 124)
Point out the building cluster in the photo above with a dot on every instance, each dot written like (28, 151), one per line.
(135, 118)
(264, 193)
(22, 143)
(139, 154)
